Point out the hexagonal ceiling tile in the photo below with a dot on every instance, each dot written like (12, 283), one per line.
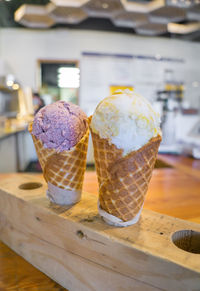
(69, 3)
(182, 3)
(194, 13)
(33, 16)
(130, 19)
(183, 28)
(167, 14)
(142, 7)
(105, 8)
(152, 29)
(63, 14)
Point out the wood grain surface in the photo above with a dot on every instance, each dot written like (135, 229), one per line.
(76, 248)
(173, 191)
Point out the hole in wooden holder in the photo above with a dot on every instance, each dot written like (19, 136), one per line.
(30, 186)
(187, 240)
(80, 234)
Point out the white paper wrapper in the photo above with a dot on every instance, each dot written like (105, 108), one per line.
(113, 220)
(62, 196)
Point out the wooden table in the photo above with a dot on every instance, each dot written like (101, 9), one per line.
(173, 191)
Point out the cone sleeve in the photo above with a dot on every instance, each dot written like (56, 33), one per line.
(123, 180)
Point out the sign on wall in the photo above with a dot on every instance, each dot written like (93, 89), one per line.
(146, 74)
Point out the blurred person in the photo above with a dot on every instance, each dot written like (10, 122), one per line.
(38, 102)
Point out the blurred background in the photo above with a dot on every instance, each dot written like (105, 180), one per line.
(83, 50)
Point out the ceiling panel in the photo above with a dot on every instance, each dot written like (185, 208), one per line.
(33, 16)
(69, 3)
(168, 14)
(148, 17)
(152, 29)
(105, 8)
(183, 28)
(194, 13)
(130, 19)
(142, 6)
(63, 14)
(182, 3)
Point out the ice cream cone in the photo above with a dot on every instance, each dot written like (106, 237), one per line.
(63, 171)
(123, 180)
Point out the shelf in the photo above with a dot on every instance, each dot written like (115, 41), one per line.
(7, 90)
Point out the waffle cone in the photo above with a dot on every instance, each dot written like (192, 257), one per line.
(65, 169)
(123, 180)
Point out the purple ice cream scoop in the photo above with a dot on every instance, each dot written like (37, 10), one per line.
(60, 125)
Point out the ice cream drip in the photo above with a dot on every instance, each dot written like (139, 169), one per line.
(126, 119)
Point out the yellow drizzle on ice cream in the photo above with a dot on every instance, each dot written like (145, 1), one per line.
(126, 119)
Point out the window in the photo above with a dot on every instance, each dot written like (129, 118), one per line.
(59, 80)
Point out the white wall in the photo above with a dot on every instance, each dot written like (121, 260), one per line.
(21, 48)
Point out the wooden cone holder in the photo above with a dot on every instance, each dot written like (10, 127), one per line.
(74, 247)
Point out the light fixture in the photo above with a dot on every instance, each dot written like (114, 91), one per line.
(167, 14)
(130, 19)
(183, 28)
(142, 7)
(105, 5)
(152, 29)
(9, 83)
(69, 3)
(33, 16)
(10, 80)
(71, 15)
(105, 8)
(15, 86)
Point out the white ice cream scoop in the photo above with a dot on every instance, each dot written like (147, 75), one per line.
(126, 120)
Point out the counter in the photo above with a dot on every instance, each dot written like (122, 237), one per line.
(10, 150)
(12, 131)
(174, 190)
(16, 148)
